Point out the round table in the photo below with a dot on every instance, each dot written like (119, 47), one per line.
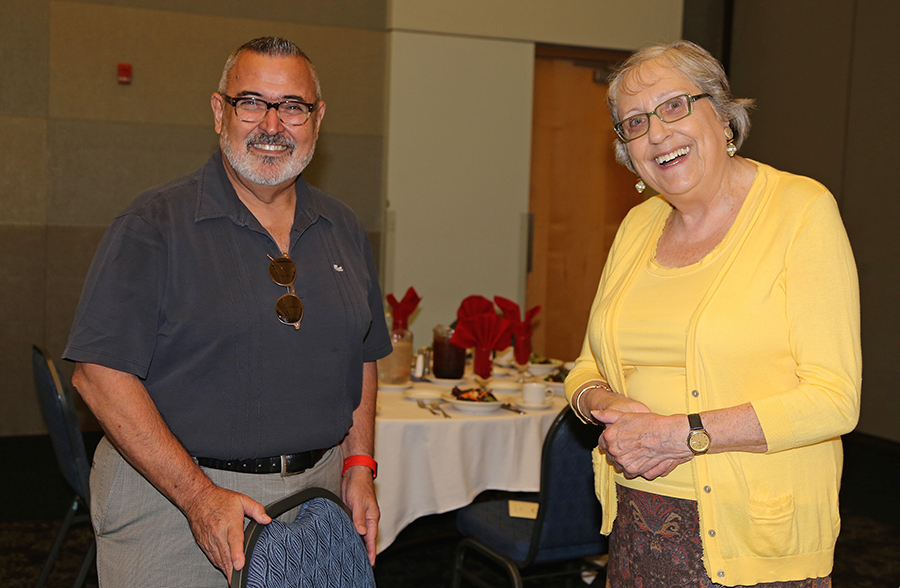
(429, 464)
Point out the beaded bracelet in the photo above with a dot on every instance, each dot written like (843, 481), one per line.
(576, 400)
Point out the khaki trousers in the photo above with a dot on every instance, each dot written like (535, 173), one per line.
(144, 541)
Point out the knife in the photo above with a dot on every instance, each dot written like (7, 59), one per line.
(509, 406)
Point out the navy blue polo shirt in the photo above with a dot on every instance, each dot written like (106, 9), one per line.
(179, 295)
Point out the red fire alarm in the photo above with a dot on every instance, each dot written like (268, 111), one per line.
(124, 73)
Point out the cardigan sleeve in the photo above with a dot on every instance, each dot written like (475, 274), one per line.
(630, 240)
(587, 365)
(822, 306)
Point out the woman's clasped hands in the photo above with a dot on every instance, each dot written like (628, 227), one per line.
(638, 442)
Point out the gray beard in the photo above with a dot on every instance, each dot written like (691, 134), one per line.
(265, 170)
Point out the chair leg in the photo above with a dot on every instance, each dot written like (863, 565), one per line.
(514, 576)
(88, 560)
(67, 522)
(458, 558)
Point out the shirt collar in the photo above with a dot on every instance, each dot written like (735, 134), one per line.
(216, 198)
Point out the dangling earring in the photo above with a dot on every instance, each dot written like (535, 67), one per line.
(730, 148)
(640, 186)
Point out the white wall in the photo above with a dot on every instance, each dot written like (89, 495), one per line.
(611, 24)
(458, 170)
(458, 139)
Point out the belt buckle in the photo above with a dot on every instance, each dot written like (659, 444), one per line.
(284, 472)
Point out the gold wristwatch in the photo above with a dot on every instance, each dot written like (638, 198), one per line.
(698, 440)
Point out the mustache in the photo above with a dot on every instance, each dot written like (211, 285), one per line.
(267, 139)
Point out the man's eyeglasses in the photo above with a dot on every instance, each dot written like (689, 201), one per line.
(252, 109)
(289, 308)
(671, 110)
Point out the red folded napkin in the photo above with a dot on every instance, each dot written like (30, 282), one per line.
(474, 305)
(400, 311)
(485, 332)
(520, 329)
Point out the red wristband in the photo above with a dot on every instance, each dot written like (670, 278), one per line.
(363, 460)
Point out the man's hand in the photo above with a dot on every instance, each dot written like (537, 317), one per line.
(216, 517)
(358, 489)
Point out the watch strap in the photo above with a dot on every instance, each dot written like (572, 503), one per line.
(694, 421)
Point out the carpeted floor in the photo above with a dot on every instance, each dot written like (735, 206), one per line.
(867, 553)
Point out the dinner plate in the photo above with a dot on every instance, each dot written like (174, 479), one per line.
(519, 403)
(542, 369)
(393, 387)
(472, 406)
(446, 382)
(423, 394)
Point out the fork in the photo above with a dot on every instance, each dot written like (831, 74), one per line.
(443, 412)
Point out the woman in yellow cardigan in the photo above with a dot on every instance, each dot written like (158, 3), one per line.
(723, 350)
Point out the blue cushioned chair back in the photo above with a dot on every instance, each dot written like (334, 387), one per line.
(62, 423)
(319, 549)
(569, 513)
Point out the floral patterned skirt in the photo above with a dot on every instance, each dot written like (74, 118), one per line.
(655, 543)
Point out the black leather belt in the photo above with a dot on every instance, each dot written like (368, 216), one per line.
(285, 465)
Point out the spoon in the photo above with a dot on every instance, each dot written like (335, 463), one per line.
(427, 407)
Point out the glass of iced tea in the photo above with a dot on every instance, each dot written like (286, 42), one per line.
(449, 360)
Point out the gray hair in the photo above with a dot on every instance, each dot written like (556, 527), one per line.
(699, 66)
(270, 47)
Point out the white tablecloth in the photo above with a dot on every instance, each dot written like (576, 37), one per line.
(429, 464)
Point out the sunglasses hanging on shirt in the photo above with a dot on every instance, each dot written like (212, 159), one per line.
(288, 308)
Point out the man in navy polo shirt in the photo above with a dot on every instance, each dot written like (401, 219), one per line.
(226, 340)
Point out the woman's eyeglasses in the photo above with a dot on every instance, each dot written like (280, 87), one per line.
(289, 308)
(673, 109)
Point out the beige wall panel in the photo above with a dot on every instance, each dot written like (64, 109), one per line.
(69, 254)
(23, 288)
(458, 170)
(366, 14)
(178, 58)
(23, 181)
(23, 57)
(614, 24)
(789, 56)
(349, 167)
(97, 168)
(871, 209)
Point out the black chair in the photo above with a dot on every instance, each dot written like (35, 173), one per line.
(68, 444)
(320, 548)
(567, 527)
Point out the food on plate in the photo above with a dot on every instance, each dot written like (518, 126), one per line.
(473, 394)
(542, 359)
(557, 376)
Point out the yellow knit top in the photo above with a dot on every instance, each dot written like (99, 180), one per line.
(652, 327)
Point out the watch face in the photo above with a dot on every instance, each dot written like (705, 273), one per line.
(699, 441)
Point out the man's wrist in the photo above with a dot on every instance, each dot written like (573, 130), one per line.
(360, 460)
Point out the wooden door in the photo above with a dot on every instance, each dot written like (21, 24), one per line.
(579, 195)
